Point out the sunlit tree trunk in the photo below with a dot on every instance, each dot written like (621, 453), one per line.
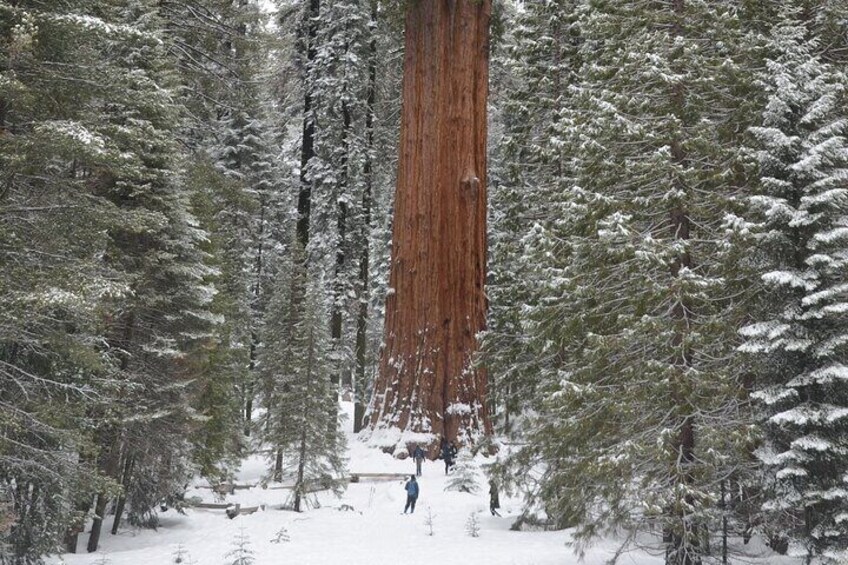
(436, 304)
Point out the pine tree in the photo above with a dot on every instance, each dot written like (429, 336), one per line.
(295, 357)
(538, 61)
(631, 319)
(430, 522)
(157, 328)
(465, 475)
(243, 152)
(336, 170)
(472, 525)
(180, 555)
(241, 553)
(57, 156)
(797, 222)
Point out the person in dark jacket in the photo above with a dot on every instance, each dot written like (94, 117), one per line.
(494, 499)
(411, 487)
(448, 454)
(418, 455)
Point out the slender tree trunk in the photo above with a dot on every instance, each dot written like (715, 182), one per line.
(436, 304)
(278, 466)
(122, 501)
(110, 469)
(336, 323)
(686, 548)
(110, 460)
(723, 523)
(74, 530)
(97, 523)
(339, 291)
(307, 148)
(364, 257)
(256, 316)
(81, 507)
(299, 488)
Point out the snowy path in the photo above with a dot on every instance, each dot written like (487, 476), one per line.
(375, 533)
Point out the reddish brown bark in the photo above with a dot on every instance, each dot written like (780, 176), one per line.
(436, 305)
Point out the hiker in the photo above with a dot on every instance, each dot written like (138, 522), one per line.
(411, 487)
(494, 499)
(448, 452)
(418, 455)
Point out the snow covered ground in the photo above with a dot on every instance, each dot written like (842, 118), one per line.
(375, 532)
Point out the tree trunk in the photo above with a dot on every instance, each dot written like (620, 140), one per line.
(364, 257)
(307, 148)
(81, 507)
(109, 467)
(255, 317)
(685, 544)
(111, 440)
(74, 529)
(436, 304)
(299, 488)
(97, 524)
(339, 288)
(278, 466)
(723, 507)
(122, 501)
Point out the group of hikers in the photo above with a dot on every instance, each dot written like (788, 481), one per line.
(447, 452)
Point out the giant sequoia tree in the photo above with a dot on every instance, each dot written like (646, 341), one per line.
(436, 306)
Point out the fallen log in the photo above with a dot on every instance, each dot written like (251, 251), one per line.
(226, 488)
(237, 510)
(359, 477)
(210, 505)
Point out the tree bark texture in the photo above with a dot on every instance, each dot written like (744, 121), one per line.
(307, 150)
(685, 547)
(436, 303)
(359, 380)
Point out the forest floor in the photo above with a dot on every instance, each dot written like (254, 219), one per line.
(363, 527)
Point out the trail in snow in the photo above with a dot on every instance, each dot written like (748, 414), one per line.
(373, 533)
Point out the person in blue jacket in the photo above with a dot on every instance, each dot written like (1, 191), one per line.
(411, 487)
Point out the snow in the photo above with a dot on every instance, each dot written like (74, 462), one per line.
(784, 278)
(791, 472)
(363, 527)
(831, 236)
(812, 443)
(826, 294)
(94, 24)
(805, 415)
(774, 394)
(824, 375)
(76, 132)
(458, 409)
(393, 437)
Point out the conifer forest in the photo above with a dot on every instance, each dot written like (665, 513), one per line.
(602, 244)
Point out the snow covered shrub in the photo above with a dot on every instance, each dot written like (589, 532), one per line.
(241, 554)
(464, 477)
(180, 555)
(472, 526)
(282, 535)
(429, 520)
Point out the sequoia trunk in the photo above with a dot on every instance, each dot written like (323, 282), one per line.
(436, 304)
